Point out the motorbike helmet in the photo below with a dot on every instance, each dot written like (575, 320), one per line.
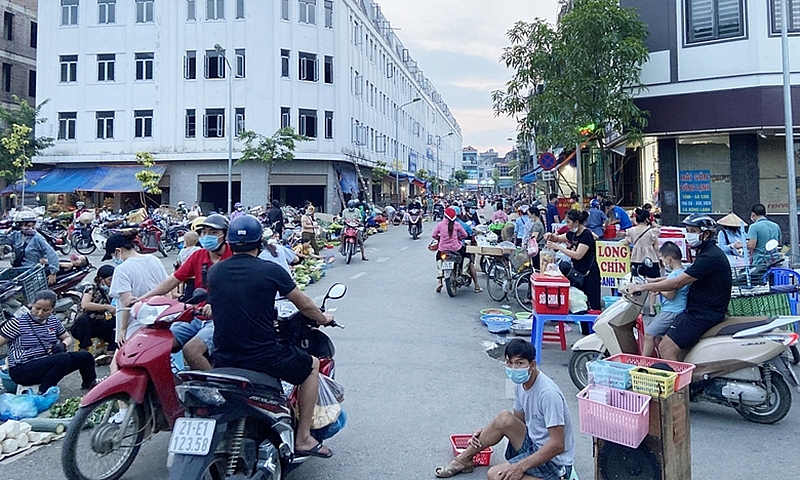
(237, 205)
(701, 221)
(450, 213)
(215, 221)
(181, 204)
(457, 210)
(24, 217)
(351, 204)
(196, 222)
(80, 205)
(245, 233)
(594, 203)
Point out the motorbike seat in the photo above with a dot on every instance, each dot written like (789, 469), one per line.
(258, 379)
(732, 325)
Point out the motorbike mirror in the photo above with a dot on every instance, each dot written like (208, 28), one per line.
(336, 291)
(199, 295)
(771, 245)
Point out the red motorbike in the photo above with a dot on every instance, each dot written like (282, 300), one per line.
(148, 239)
(350, 239)
(133, 404)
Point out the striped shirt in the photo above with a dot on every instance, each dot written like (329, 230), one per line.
(23, 343)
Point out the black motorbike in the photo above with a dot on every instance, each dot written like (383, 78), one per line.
(415, 223)
(453, 272)
(240, 423)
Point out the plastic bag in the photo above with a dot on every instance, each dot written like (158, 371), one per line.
(327, 409)
(578, 301)
(27, 405)
(547, 257)
(327, 432)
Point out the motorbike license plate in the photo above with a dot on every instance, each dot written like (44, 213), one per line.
(192, 436)
(448, 265)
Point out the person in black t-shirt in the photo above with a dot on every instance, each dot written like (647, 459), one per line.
(242, 296)
(580, 247)
(709, 293)
(275, 217)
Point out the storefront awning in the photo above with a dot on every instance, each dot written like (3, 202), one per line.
(31, 176)
(92, 179)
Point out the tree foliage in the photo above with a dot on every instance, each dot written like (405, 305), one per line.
(147, 177)
(379, 171)
(19, 145)
(270, 150)
(460, 176)
(584, 71)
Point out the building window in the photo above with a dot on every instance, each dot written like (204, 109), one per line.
(286, 117)
(328, 124)
(328, 13)
(32, 83)
(794, 16)
(214, 123)
(239, 118)
(285, 9)
(240, 63)
(308, 123)
(191, 123)
(239, 8)
(714, 20)
(143, 123)
(144, 66)
(215, 64)
(144, 11)
(285, 63)
(34, 34)
(358, 86)
(105, 67)
(69, 12)
(105, 125)
(308, 67)
(190, 65)
(6, 77)
(308, 11)
(67, 123)
(191, 10)
(69, 68)
(328, 69)
(8, 26)
(215, 9)
(106, 11)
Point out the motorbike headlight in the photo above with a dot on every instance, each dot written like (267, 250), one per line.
(199, 395)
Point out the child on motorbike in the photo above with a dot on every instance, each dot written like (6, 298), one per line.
(673, 303)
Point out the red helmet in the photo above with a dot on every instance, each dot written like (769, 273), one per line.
(450, 213)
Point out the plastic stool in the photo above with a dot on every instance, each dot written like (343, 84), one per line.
(559, 336)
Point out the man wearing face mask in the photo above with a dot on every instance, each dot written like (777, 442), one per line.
(238, 211)
(30, 247)
(197, 337)
(709, 278)
(541, 444)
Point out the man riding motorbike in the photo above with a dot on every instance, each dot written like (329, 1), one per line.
(30, 247)
(352, 214)
(242, 294)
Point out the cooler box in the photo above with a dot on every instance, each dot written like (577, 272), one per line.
(550, 294)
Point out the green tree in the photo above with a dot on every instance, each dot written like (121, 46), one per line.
(147, 177)
(23, 115)
(460, 176)
(270, 150)
(379, 171)
(584, 71)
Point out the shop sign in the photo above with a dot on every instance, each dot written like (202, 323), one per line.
(614, 260)
(695, 191)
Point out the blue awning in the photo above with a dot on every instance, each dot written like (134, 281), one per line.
(92, 179)
(61, 180)
(31, 176)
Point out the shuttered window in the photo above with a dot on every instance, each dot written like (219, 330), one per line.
(708, 20)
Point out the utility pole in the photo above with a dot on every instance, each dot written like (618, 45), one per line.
(788, 123)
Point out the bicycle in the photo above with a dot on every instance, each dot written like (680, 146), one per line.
(502, 279)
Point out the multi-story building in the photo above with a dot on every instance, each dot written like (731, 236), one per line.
(126, 76)
(18, 51)
(714, 96)
(470, 162)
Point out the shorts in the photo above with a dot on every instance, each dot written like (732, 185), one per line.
(686, 329)
(204, 329)
(660, 324)
(547, 471)
(293, 365)
(652, 272)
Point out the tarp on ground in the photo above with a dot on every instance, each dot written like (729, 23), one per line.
(119, 179)
(30, 177)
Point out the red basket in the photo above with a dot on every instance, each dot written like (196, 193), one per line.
(625, 419)
(460, 442)
(684, 370)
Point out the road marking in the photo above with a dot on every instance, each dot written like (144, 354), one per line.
(383, 259)
(358, 275)
(404, 248)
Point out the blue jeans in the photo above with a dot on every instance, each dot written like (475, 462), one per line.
(204, 329)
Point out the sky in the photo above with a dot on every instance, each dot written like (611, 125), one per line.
(457, 44)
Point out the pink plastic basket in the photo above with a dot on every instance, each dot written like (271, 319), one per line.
(684, 370)
(624, 420)
(460, 443)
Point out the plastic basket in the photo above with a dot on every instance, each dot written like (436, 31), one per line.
(625, 419)
(610, 374)
(460, 443)
(653, 382)
(487, 319)
(33, 280)
(770, 305)
(13, 273)
(684, 370)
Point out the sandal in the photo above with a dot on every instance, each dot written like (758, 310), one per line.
(439, 288)
(452, 469)
(478, 289)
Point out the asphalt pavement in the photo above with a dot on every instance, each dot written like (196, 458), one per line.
(415, 369)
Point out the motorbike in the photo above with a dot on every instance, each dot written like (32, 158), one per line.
(740, 363)
(240, 423)
(453, 272)
(350, 239)
(102, 442)
(438, 212)
(56, 235)
(173, 235)
(148, 238)
(415, 222)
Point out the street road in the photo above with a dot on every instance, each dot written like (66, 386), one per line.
(415, 370)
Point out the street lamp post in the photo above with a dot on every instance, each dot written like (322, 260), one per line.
(789, 125)
(397, 145)
(229, 117)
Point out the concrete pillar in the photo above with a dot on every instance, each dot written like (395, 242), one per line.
(744, 173)
(668, 181)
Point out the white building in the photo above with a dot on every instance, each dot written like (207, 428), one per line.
(126, 76)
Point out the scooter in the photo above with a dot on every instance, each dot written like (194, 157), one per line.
(415, 223)
(56, 235)
(350, 240)
(103, 443)
(149, 238)
(438, 212)
(740, 363)
(453, 272)
(69, 298)
(241, 423)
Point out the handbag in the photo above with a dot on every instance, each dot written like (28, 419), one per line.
(56, 347)
(576, 278)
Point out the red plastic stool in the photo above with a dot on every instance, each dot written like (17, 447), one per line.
(559, 336)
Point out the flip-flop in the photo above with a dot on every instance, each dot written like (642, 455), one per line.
(314, 452)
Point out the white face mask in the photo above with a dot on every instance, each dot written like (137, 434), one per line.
(693, 239)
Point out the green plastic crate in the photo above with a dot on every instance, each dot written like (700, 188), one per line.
(770, 305)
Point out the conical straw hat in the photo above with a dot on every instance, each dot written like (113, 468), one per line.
(730, 220)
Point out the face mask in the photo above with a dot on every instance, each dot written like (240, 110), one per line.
(209, 242)
(471, 210)
(117, 260)
(518, 375)
(693, 239)
(574, 229)
(104, 288)
(28, 231)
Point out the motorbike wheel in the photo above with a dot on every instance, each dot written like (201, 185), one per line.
(496, 281)
(779, 403)
(451, 283)
(795, 355)
(522, 291)
(578, 372)
(65, 248)
(349, 252)
(83, 245)
(415, 234)
(90, 451)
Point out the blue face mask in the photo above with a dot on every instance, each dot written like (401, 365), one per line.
(117, 260)
(209, 242)
(518, 375)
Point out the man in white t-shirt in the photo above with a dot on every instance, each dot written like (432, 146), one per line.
(541, 444)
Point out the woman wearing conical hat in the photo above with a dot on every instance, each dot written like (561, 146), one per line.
(731, 238)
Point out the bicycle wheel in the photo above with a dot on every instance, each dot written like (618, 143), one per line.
(523, 292)
(497, 281)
